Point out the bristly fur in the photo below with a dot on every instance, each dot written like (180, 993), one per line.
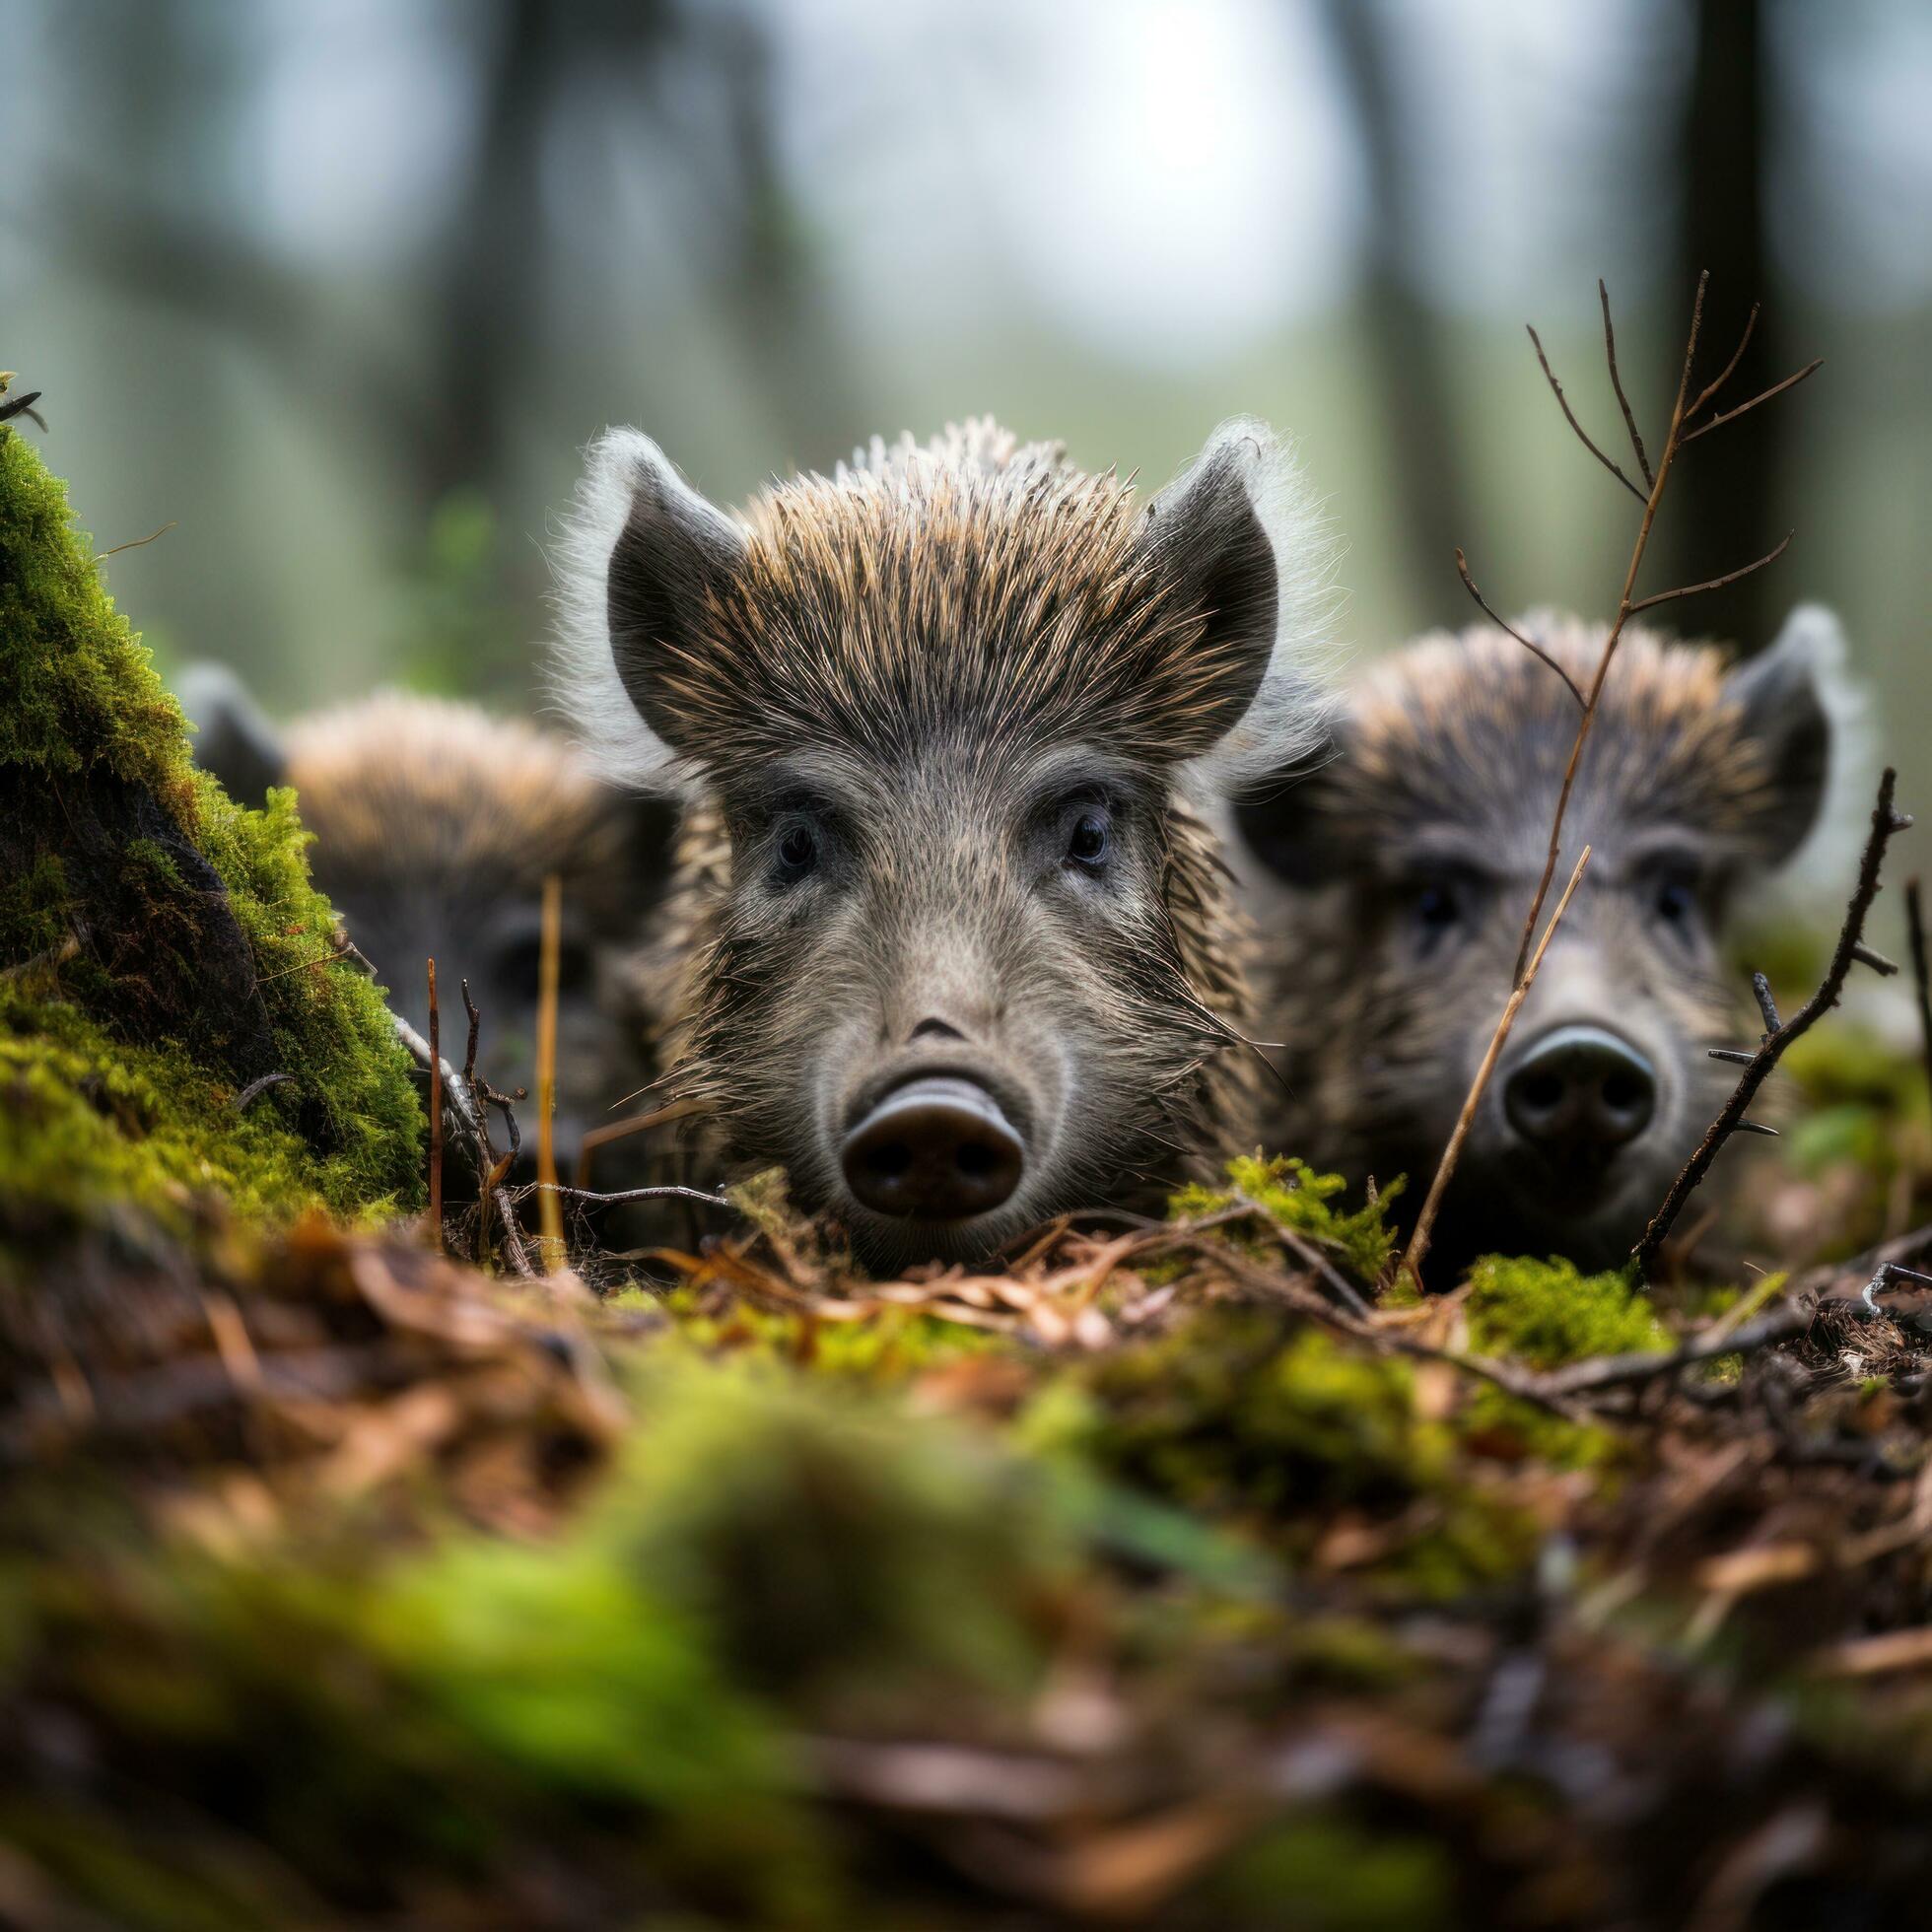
(420, 786)
(1390, 886)
(973, 577)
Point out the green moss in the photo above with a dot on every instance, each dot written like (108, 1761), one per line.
(1546, 1313)
(76, 687)
(1323, 1873)
(1227, 1417)
(1297, 1197)
(173, 925)
(460, 1719)
(89, 1126)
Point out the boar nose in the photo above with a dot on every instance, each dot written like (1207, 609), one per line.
(933, 1151)
(1578, 1087)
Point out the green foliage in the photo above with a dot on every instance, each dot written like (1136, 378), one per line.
(1295, 1197)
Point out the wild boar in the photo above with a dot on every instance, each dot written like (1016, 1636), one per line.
(1390, 886)
(956, 948)
(434, 827)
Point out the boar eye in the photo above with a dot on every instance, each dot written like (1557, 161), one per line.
(1091, 839)
(1437, 908)
(1676, 900)
(797, 846)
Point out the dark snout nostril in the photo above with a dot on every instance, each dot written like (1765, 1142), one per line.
(932, 1027)
(1580, 1087)
(933, 1151)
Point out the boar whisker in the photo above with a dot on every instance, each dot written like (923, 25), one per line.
(1849, 951)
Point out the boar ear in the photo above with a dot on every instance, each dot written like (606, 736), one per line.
(1286, 824)
(232, 741)
(1239, 535)
(641, 556)
(1793, 703)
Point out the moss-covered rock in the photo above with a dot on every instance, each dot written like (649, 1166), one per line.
(141, 910)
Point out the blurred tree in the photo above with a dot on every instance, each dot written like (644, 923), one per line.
(1732, 496)
(1422, 439)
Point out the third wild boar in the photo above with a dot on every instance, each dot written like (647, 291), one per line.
(436, 825)
(960, 954)
(1392, 883)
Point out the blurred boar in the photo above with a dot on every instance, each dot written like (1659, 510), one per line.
(435, 828)
(957, 951)
(1393, 882)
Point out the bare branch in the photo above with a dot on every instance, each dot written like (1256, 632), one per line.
(1617, 384)
(436, 1115)
(1763, 395)
(1569, 416)
(1529, 643)
(1714, 582)
(1885, 823)
(1724, 375)
(1419, 1242)
(1915, 929)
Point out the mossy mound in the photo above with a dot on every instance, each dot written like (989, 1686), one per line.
(141, 909)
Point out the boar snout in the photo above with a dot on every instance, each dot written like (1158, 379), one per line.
(1579, 1090)
(933, 1149)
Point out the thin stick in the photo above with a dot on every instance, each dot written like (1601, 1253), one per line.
(436, 1115)
(469, 1117)
(1569, 416)
(1763, 395)
(1884, 822)
(101, 556)
(1419, 1242)
(1617, 384)
(1529, 643)
(1616, 628)
(1725, 373)
(601, 1137)
(549, 1209)
(1714, 582)
(1915, 931)
(475, 1029)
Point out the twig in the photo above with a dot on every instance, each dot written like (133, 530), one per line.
(1419, 1242)
(101, 556)
(549, 1212)
(23, 406)
(1570, 415)
(1884, 822)
(1714, 582)
(1762, 395)
(1623, 617)
(1725, 373)
(601, 1137)
(1617, 384)
(560, 1190)
(253, 1091)
(1889, 1274)
(462, 1104)
(475, 1029)
(436, 1115)
(1529, 643)
(1915, 932)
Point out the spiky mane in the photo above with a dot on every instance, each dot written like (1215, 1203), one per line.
(1472, 726)
(426, 786)
(974, 586)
